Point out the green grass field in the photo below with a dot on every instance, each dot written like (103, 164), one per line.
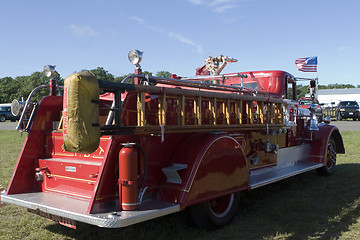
(307, 206)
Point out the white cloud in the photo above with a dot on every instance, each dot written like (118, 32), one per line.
(219, 6)
(196, 2)
(112, 33)
(343, 48)
(223, 8)
(229, 20)
(185, 40)
(219, 2)
(83, 31)
(173, 35)
(137, 19)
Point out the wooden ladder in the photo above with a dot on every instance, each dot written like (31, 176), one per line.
(232, 110)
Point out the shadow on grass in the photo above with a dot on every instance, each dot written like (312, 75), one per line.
(305, 206)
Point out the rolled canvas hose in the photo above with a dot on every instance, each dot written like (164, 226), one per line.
(81, 113)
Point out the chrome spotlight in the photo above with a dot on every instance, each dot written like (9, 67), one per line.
(135, 57)
(17, 107)
(49, 70)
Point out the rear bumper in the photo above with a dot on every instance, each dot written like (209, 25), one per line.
(75, 209)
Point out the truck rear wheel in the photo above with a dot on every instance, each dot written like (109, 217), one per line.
(2, 118)
(215, 213)
(329, 168)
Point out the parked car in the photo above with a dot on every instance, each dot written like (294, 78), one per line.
(347, 109)
(305, 102)
(5, 113)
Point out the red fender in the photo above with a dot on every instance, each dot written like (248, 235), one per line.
(216, 166)
(23, 179)
(320, 142)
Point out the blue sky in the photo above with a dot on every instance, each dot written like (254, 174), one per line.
(177, 35)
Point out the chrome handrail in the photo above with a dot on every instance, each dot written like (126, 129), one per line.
(27, 103)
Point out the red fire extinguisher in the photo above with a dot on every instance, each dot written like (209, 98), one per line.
(128, 178)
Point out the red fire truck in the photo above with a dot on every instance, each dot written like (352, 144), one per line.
(115, 154)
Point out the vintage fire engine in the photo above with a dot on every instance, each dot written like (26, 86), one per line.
(115, 154)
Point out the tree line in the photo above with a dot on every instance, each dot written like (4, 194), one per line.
(18, 87)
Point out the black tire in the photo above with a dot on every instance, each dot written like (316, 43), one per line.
(354, 118)
(330, 161)
(2, 118)
(215, 213)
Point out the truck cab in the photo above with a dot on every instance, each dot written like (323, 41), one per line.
(348, 109)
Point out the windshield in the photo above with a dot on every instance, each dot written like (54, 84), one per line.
(5, 109)
(307, 102)
(349, 104)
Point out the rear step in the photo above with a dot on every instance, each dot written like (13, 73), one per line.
(69, 176)
(49, 204)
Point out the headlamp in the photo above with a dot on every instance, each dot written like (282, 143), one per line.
(17, 107)
(327, 120)
(135, 57)
(49, 70)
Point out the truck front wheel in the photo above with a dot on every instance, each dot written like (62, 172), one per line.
(215, 213)
(329, 167)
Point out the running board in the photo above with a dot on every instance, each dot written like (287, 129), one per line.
(290, 161)
(46, 204)
(259, 180)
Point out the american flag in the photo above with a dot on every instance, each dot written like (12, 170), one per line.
(308, 64)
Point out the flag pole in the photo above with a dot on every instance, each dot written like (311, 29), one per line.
(317, 78)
